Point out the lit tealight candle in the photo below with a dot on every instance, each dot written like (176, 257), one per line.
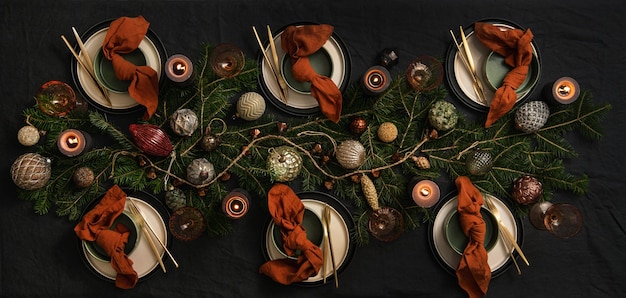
(425, 193)
(376, 80)
(235, 204)
(565, 90)
(72, 142)
(179, 69)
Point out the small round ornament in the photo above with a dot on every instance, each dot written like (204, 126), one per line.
(31, 171)
(28, 135)
(175, 198)
(184, 122)
(532, 116)
(443, 115)
(350, 154)
(151, 139)
(83, 177)
(387, 132)
(358, 125)
(479, 162)
(210, 142)
(527, 190)
(250, 106)
(284, 163)
(200, 171)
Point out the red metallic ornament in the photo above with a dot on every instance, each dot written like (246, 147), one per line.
(151, 139)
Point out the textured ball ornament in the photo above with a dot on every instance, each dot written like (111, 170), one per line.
(83, 177)
(284, 163)
(532, 116)
(358, 125)
(443, 115)
(479, 162)
(31, 171)
(200, 171)
(250, 106)
(28, 135)
(175, 199)
(210, 142)
(350, 154)
(151, 139)
(527, 190)
(387, 132)
(184, 122)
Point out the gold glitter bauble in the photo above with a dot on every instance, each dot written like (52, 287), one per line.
(387, 132)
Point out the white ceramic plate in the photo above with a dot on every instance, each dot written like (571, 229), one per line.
(340, 239)
(497, 257)
(144, 261)
(300, 103)
(120, 101)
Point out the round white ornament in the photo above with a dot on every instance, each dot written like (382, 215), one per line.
(250, 106)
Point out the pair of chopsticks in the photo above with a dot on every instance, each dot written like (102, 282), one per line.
(468, 61)
(85, 62)
(328, 247)
(274, 63)
(504, 232)
(147, 227)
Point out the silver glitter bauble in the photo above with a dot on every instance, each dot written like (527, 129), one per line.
(479, 162)
(284, 163)
(250, 106)
(532, 116)
(200, 171)
(31, 171)
(184, 122)
(443, 115)
(350, 154)
(28, 135)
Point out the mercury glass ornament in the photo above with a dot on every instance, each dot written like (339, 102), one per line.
(210, 142)
(184, 122)
(479, 162)
(443, 115)
(284, 163)
(83, 177)
(31, 171)
(28, 135)
(532, 116)
(200, 171)
(527, 190)
(250, 106)
(175, 199)
(350, 154)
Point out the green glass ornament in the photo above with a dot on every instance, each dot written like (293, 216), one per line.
(284, 163)
(443, 115)
(175, 199)
(479, 162)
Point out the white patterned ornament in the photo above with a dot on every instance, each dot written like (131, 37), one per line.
(532, 116)
(31, 171)
(184, 122)
(350, 154)
(28, 135)
(250, 106)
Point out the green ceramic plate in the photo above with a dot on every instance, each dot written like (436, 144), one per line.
(313, 227)
(321, 63)
(103, 68)
(496, 69)
(124, 219)
(458, 240)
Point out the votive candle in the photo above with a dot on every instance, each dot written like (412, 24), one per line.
(235, 204)
(376, 80)
(425, 193)
(72, 142)
(564, 90)
(179, 69)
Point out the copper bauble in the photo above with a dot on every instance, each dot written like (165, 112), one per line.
(527, 190)
(358, 125)
(151, 139)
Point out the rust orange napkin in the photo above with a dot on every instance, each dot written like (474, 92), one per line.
(95, 227)
(473, 271)
(301, 41)
(124, 36)
(287, 212)
(514, 45)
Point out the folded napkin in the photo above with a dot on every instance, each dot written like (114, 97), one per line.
(300, 42)
(473, 272)
(287, 212)
(124, 36)
(514, 45)
(95, 227)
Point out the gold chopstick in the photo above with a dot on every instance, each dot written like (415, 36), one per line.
(269, 62)
(330, 245)
(142, 221)
(469, 65)
(277, 67)
(154, 233)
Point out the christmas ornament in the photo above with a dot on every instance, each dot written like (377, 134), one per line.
(28, 135)
(527, 190)
(175, 198)
(350, 154)
(386, 224)
(200, 171)
(151, 139)
(358, 125)
(443, 115)
(184, 122)
(31, 171)
(387, 132)
(388, 57)
(56, 98)
(532, 116)
(284, 163)
(210, 142)
(187, 223)
(479, 162)
(83, 177)
(250, 106)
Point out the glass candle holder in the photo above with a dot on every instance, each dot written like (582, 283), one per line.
(424, 73)
(56, 98)
(187, 223)
(425, 193)
(227, 60)
(72, 142)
